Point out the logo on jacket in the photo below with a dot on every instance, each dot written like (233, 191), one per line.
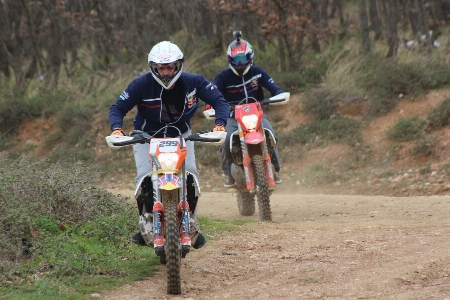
(192, 99)
(124, 95)
(210, 86)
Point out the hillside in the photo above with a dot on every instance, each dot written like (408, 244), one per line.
(378, 166)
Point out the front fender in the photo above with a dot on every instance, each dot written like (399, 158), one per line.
(169, 181)
(254, 138)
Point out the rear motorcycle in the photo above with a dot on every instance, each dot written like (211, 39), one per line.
(168, 213)
(251, 148)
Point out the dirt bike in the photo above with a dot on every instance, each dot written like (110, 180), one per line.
(169, 207)
(251, 148)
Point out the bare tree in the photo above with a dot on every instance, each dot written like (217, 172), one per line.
(314, 29)
(416, 18)
(337, 6)
(364, 23)
(375, 22)
(392, 28)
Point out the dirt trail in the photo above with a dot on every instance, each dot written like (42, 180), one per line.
(318, 247)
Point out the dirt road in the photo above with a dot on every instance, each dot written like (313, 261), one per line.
(318, 247)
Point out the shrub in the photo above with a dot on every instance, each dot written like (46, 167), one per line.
(381, 106)
(424, 145)
(386, 78)
(321, 103)
(337, 130)
(297, 81)
(382, 80)
(15, 107)
(439, 116)
(38, 193)
(406, 129)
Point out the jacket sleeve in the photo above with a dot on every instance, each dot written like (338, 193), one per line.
(126, 101)
(209, 93)
(268, 83)
(219, 83)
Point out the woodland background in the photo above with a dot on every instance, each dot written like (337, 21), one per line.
(40, 38)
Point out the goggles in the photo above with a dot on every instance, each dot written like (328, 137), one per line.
(240, 60)
(172, 65)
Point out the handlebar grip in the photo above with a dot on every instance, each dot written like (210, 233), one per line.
(137, 139)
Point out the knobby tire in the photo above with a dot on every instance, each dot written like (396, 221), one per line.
(265, 214)
(246, 203)
(172, 241)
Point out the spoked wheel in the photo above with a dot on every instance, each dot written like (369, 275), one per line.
(246, 203)
(172, 241)
(265, 214)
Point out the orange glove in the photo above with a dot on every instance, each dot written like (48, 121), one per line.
(219, 127)
(118, 132)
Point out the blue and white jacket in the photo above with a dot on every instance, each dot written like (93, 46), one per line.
(235, 88)
(145, 93)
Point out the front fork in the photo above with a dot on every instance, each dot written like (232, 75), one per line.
(247, 164)
(184, 217)
(268, 165)
(158, 222)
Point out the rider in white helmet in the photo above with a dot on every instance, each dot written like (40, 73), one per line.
(166, 95)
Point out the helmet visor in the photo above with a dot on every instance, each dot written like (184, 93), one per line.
(240, 59)
(156, 66)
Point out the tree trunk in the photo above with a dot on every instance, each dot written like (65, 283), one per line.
(324, 14)
(375, 22)
(281, 54)
(415, 18)
(365, 39)
(392, 28)
(315, 25)
(337, 6)
(4, 64)
(445, 7)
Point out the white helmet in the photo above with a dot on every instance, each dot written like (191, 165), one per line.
(165, 53)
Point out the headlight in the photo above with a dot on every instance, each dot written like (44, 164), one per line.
(168, 160)
(250, 121)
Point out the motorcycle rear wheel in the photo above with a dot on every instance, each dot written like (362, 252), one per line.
(246, 203)
(172, 241)
(265, 214)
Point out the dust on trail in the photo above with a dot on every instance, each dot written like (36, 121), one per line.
(317, 247)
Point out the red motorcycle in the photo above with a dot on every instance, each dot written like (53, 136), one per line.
(169, 218)
(251, 148)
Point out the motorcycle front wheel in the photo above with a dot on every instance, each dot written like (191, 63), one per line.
(172, 240)
(265, 213)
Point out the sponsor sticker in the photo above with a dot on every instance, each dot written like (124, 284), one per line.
(211, 86)
(124, 95)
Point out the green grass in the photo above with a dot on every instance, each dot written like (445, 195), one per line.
(384, 80)
(88, 258)
(440, 116)
(213, 228)
(406, 129)
(63, 238)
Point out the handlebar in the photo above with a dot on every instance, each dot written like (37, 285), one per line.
(280, 99)
(140, 137)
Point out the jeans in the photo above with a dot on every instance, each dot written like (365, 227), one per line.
(144, 165)
(227, 159)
